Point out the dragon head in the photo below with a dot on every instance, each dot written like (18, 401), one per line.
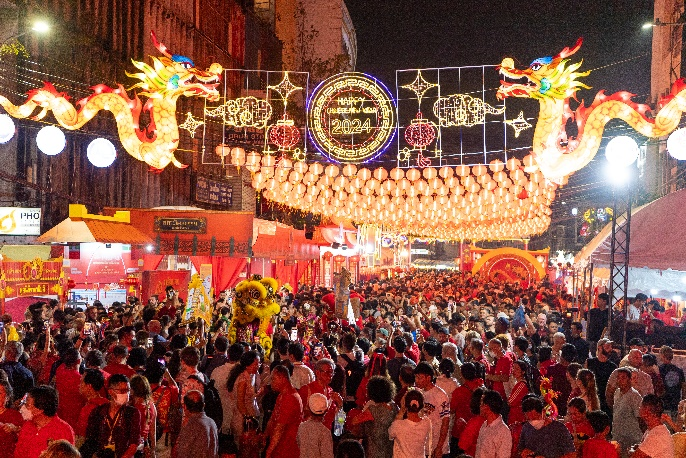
(175, 75)
(546, 78)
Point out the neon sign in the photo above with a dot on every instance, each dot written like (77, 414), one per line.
(351, 117)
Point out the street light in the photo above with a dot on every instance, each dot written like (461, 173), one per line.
(39, 26)
(658, 23)
(621, 152)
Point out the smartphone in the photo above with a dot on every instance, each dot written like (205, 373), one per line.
(149, 344)
(294, 334)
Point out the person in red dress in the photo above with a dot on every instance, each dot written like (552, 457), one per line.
(519, 390)
(67, 381)
(42, 425)
(282, 429)
(10, 419)
(598, 445)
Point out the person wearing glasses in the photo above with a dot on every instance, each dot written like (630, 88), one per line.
(42, 425)
(114, 426)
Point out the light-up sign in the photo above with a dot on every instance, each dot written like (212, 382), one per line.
(351, 117)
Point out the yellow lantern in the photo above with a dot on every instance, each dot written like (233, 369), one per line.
(413, 174)
(397, 174)
(380, 174)
(462, 170)
(429, 173)
(349, 170)
(446, 172)
(331, 171)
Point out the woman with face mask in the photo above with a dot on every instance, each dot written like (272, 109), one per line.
(114, 426)
(42, 425)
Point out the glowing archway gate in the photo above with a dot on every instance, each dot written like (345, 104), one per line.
(509, 264)
(351, 117)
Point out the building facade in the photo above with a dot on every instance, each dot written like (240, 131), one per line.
(92, 42)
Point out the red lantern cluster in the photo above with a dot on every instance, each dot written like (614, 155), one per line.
(284, 134)
(420, 133)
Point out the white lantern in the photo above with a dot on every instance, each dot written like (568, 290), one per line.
(51, 140)
(7, 128)
(222, 150)
(621, 151)
(101, 152)
(676, 144)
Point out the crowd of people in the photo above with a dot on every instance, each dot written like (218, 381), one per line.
(439, 364)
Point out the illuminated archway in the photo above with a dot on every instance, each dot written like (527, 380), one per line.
(509, 264)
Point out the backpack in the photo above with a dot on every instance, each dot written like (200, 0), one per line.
(213, 403)
(354, 372)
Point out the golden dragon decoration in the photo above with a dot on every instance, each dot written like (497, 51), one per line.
(553, 81)
(169, 77)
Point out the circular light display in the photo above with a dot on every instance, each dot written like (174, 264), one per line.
(51, 140)
(6, 128)
(351, 117)
(101, 152)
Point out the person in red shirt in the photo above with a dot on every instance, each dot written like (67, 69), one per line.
(579, 426)
(118, 362)
(282, 429)
(598, 445)
(412, 351)
(323, 372)
(67, 381)
(8, 416)
(170, 305)
(90, 388)
(470, 435)
(499, 373)
(42, 424)
(519, 390)
(460, 399)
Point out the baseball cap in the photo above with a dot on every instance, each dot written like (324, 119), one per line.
(384, 331)
(444, 330)
(501, 315)
(605, 341)
(318, 403)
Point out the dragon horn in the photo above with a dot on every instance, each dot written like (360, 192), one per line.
(568, 52)
(162, 48)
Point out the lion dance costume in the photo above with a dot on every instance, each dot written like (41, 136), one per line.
(254, 305)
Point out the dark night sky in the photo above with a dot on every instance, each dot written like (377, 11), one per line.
(402, 34)
(399, 34)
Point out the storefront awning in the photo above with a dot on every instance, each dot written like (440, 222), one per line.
(82, 227)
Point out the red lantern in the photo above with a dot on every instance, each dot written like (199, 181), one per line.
(71, 284)
(420, 133)
(284, 134)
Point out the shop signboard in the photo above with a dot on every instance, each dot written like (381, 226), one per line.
(20, 221)
(213, 192)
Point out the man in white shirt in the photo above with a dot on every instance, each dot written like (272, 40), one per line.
(657, 441)
(640, 380)
(633, 313)
(436, 406)
(302, 375)
(495, 439)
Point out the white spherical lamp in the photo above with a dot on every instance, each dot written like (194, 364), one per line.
(7, 128)
(676, 144)
(51, 140)
(101, 152)
(621, 151)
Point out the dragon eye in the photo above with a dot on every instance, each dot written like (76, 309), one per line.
(255, 294)
(186, 65)
(535, 66)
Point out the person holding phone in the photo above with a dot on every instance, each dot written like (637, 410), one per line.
(170, 304)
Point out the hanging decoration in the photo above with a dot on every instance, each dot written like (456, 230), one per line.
(284, 134)
(463, 110)
(518, 124)
(191, 124)
(170, 77)
(553, 82)
(497, 201)
(421, 132)
(243, 112)
(351, 117)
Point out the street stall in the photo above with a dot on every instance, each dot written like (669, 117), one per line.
(186, 240)
(100, 256)
(657, 265)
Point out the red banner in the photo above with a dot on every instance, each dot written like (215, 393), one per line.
(32, 270)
